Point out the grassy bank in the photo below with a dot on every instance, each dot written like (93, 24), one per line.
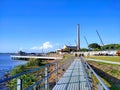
(110, 73)
(32, 63)
(27, 79)
(109, 58)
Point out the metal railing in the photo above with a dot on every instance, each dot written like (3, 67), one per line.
(43, 78)
(94, 78)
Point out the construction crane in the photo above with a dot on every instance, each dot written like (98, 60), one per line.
(87, 42)
(100, 38)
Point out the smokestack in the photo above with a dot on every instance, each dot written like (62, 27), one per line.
(78, 37)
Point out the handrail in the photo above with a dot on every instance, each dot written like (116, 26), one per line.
(101, 82)
(26, 72)
(87, 77)
(34, 70)
(39, 81)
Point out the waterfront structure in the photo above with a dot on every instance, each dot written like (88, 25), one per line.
(37, 57)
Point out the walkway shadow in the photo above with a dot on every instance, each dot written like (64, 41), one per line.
(113, 81)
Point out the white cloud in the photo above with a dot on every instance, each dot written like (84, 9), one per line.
(45, 45)
(21, 48)
(34, 48)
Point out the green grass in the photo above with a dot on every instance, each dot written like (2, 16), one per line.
(110, 69)
(109, 58)
(27, 79)
(110, 85)
(67, 57)
(106, 82)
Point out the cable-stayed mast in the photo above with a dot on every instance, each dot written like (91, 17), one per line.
(87, 42)
(100, 38)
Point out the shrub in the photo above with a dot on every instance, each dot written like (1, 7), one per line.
(33, 62)
(18, 69)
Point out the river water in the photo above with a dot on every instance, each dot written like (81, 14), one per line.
(6, 64)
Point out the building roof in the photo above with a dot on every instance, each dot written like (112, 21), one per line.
(70, 47)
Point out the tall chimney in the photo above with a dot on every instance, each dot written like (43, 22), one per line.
(78, 37)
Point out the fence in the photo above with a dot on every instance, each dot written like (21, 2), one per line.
(43, 78)
(96, 82)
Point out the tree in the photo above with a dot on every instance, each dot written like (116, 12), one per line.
(66, 50)
(94, 46)
(84, 49)
(111, 47)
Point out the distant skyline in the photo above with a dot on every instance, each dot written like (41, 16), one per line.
(46, 25)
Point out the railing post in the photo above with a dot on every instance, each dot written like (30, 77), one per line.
(90, 74)
(34, 88)
(100, 87)
(86, 66)
(90, 77)
(56, 72)
(46, 79)
(19, 84)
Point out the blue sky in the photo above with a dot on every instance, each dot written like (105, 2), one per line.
(45, 25)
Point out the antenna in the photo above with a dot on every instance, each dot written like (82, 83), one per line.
(100, 38)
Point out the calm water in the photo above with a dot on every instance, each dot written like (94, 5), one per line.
(6, 63)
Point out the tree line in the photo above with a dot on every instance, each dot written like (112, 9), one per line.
(97, 47)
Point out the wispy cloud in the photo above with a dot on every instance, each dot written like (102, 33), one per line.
(45, 45)
(20, 48)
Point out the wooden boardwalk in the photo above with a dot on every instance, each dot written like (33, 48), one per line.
(74, 78)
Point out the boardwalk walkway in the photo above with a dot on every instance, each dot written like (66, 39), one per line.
(75, 78)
